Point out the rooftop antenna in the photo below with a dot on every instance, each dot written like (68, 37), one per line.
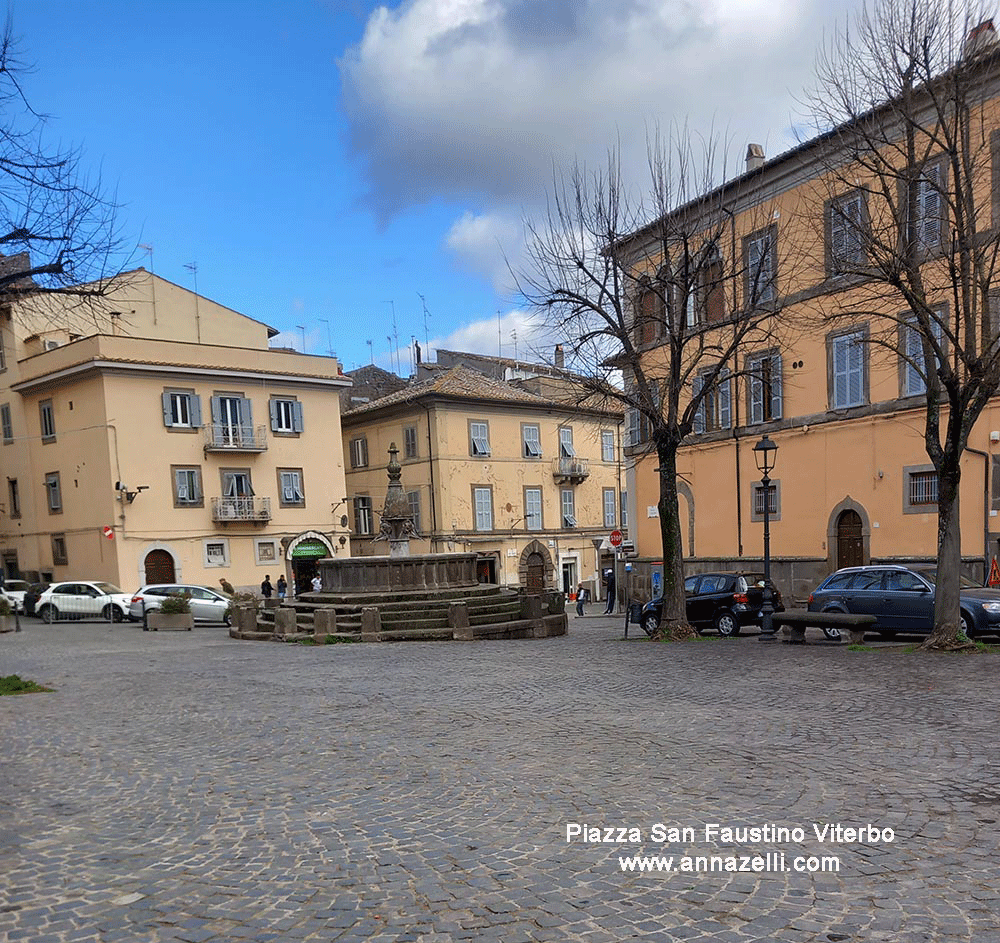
(193, 268)
(329, 338)
(303, 330)
(513, 335)
(395, 332)
(499, 335)
(388, 341)
(427, 314)
(371, 354)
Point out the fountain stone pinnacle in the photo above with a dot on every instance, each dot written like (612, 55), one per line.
(397, 520)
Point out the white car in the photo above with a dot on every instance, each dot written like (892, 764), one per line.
(206, 604)
(83, 600)
(14, 590)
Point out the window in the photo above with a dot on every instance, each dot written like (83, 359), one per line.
(479, 438)
(59, 556)
(482, 502)
(14, 496)
(363, 515)
(639, 425)
(410, 442)
(648, 314)
(610, 507)
(920, 489)
(232, 420)
(187, 486)
(181, 409)
(216, 552)
(359, 453)
(290, 490)
(847, 370)
(568, 504)
(774, 501)
(237, 494)
(532, 441)
(761, 266)
(846, 234)
(712, 291)
(413, 500)
(532, 508)
(266, 551)
(913, 366)
(286, 416)
(5, 423)
(715, 411)
(47, 419)
(566, 449)
(624, 509)
(607, 445)
(53, 493)
(927, 227)
(764, 387)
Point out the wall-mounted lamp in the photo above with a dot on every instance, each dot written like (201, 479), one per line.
(125, 495)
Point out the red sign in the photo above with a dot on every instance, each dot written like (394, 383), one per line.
(994, 579)
(615, 538)
(109, 533)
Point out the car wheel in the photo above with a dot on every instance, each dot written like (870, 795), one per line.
(726, 624)
(833, 634)
(112, 613)
(650, 624)
(965, 624)
(48, 614)
(226, 620)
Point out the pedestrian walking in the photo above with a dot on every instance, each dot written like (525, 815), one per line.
(610, 583)
(317, 583)
(282, 586)
(266, 589)
(227, 587)
(582, 596)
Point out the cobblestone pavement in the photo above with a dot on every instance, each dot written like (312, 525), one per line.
(185, 786)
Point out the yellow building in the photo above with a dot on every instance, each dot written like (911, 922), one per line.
(832, 380)
(161, 440)
(529, 482)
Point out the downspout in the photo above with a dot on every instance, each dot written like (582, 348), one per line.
(430, 466)
(736, 414)
(986, 510)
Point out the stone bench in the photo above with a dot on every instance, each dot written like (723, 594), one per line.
(798, 620)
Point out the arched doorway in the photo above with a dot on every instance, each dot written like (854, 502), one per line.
(850, 539)
(304, 553)
(159, 567)
(536, 573)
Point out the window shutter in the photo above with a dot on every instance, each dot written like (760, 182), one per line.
(167, 413)
(297, 425)
(246, 414)
(776, 386)
(856, 370)
(194, 405)
(725, 405)
(216, 405)
(182, 486)
(699, 417)
(757, 392)
(272, 409)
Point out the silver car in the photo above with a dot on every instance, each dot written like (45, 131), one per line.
(206, 604)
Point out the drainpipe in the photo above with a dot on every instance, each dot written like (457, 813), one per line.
(430, 466)
(736, 415)
(986, 510)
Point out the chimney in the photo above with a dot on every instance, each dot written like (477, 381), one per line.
(755, 157)
(980, 39)
(560, 358)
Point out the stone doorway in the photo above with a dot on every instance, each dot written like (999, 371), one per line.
(536, 573)
(159, 565)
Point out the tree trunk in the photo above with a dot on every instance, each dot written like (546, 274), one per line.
(945, 635)
(673, 622)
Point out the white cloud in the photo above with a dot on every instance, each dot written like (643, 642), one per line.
(484, 243)
(513, 334)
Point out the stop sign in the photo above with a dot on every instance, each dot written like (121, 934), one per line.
(615, 538)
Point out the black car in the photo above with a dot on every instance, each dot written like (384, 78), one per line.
(902, 599)
(723, 601)
(31, 596)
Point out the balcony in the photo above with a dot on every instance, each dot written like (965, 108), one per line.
(241, 510)
(222, 438)
(570, 469)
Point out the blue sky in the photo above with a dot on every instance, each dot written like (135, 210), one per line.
(326, 163)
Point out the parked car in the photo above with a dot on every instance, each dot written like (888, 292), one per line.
(31, 597)
(14, 590)
(902, 599)
(206, 604)
(724, 601)
(83, 599)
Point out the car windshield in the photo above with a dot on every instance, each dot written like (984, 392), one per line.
(930, 575)
(107, 588)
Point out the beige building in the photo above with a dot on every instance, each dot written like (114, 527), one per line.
(531, 483)
(842, 397)
(162, 440)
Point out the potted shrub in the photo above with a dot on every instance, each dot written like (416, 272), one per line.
(174, 613)
(7, 623)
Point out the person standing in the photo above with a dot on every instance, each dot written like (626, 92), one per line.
(282, 586)
(266, 589)
(581, 598)
(227, 587)
(317, 583)
(610, 582)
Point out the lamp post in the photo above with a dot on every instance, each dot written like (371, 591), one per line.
(765, 455)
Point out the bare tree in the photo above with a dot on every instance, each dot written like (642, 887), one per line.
(649, 298)
(58, 231)
(908, 93)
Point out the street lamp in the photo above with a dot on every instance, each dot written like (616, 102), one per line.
(765, 455)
